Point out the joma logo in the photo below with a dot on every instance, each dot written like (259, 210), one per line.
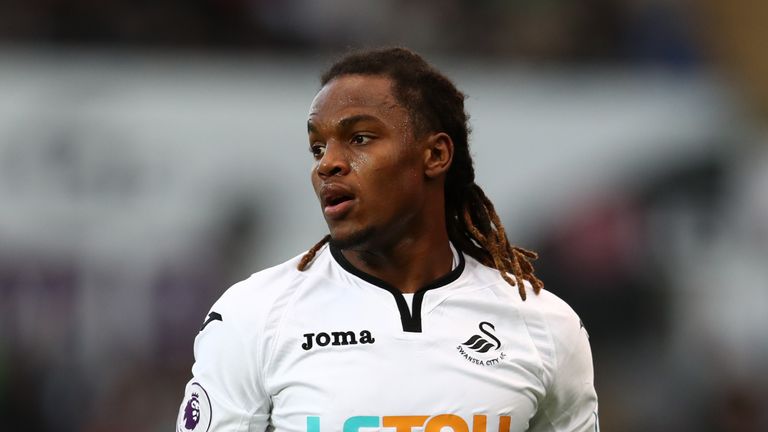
(337, 338)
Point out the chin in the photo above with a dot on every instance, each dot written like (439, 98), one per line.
(353, 240)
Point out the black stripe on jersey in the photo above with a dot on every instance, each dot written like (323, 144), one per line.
(213, 316)
(411, 321)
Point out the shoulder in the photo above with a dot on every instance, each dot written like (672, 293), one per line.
(552, 323)
(563, 344)
(243, 322)
(568, 373)
(252, 299)
(560, 318)
(545, 306)
(553, 327)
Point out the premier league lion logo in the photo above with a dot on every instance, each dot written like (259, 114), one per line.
(192, 412)
(195, 411)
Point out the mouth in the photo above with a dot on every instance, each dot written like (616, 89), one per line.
(336, 201)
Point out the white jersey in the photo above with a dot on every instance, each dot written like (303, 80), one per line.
(333, 349)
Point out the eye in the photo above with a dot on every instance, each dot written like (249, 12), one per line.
(361, 139)
(317, 150)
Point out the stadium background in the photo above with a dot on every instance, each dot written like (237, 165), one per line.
(154, 152)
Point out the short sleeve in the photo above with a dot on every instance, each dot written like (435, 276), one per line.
(225, 392)
(570, 404)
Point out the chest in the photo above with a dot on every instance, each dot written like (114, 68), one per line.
(346, 363)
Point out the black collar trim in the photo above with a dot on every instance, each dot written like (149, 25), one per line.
(411, 321)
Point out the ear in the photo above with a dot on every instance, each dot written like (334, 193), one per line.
(438, 154)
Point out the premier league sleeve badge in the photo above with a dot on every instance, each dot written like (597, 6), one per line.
(195, 411)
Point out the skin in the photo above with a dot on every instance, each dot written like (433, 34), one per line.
(391, 221)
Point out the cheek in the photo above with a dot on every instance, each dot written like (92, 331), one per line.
(389, 163)
(372, 172)
(360, 162)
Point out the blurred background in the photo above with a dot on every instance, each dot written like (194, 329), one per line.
(152, 153)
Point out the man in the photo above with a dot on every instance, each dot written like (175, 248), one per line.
(404, 318)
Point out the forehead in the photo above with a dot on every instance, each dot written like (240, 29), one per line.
(350, 94)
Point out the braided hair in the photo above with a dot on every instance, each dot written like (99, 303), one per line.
(436, 105)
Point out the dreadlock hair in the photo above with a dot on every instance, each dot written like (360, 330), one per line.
(436, 105)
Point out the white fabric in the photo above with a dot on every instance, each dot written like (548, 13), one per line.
(536, 374)
(409, 301)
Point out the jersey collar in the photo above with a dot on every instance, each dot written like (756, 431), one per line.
(410, 317)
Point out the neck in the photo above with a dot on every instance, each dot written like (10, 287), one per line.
(409, 264)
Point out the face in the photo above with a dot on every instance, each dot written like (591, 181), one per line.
(368, 172)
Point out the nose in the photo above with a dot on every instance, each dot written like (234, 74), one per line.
(334, 160)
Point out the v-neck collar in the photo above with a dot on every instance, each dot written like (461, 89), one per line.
(410, 317)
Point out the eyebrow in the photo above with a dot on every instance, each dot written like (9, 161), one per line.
(346, 122)
(349, 121)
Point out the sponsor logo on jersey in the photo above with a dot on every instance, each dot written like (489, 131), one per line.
(434, 423)
(476, 349)
(336, 338)
(195, 413)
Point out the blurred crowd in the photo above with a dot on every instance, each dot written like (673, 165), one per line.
(552, 30)
(669, 271)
